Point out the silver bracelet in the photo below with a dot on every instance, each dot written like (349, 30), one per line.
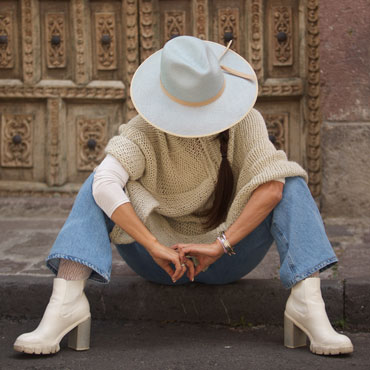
(225, 244)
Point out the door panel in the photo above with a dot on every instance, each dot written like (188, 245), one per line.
(89, 126)
(282, 118)
(66, 68)
(22, 155)
(282, 38)
(10, 48)
(106, 40)
(56, 35)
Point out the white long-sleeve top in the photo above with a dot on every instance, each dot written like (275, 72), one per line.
(109, 180)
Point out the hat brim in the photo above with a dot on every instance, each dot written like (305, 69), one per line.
(176, 119)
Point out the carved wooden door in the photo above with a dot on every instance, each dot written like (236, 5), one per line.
(66, 66)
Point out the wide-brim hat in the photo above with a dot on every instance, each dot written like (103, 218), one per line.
(194, 88)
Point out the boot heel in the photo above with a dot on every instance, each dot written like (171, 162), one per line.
(79, 337)
(293, 336)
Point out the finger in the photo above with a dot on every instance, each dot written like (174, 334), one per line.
(182, 256)
(179, 269)
(198, 269)
(190, 250)
(177, 246)
(190, 266)
(180, 274)
(169, 270)
(183, 270)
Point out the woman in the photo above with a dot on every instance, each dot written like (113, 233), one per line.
(206, 195)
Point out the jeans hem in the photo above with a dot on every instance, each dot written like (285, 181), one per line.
(96, 275)
(319, 267)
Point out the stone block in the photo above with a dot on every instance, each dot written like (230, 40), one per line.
(344, 60)
(346, 175)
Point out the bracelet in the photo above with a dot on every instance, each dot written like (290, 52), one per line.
(225, 244)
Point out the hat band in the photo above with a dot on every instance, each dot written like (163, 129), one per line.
(233, 71)
(193, 104)
(238, 73)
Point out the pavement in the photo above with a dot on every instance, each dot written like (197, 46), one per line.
(28, 227)
(143, 345)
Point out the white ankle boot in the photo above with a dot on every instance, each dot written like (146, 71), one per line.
(305, 315)
(68, 311)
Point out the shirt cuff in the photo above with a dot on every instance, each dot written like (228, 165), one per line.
(282, 179)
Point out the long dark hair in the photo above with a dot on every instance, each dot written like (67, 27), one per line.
(224, 187)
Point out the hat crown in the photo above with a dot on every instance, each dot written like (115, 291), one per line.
(190, 71)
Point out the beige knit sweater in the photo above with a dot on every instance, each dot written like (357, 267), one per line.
(172, 179)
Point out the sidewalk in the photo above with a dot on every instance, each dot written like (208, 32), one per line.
(28, 227)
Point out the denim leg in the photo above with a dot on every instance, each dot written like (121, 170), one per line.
(250, 251)
(140, 261)
(299, 233)
(84, 238)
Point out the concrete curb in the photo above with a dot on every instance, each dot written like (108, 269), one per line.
(246, 302)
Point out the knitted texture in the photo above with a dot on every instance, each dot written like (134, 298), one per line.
(172, 179)
(70, 270)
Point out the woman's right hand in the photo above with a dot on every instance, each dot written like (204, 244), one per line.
(127, 219)
(164, 256)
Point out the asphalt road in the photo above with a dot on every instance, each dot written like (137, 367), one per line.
(176, 346)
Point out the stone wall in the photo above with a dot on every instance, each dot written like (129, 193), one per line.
(345, 101)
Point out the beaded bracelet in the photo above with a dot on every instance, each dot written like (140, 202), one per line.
(225, 244)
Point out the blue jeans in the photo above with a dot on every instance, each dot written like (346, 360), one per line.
(295, 224)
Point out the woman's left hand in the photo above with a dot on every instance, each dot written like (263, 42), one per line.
(206, 254)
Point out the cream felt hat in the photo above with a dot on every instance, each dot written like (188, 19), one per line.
(194, 88)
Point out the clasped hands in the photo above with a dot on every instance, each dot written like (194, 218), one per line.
(177, 255)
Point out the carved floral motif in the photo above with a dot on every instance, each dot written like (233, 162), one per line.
(200, 16)
(313, 103)
(53, 141)
(27, 37)
(132, 52)
(105, 25)
(6, 48)
(91, 141)
(55, 40)
(280, 89)
(256, 41)
(282, 36)
(16, 140)
(147, 42)
(104, 92)
(78, 19)
(44, 192)
(277, 126)
(174, 24)
(228, 24)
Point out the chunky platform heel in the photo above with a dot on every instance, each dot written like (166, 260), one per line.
(306, 308)
(68, 312)
(79, 337)
(294, 337)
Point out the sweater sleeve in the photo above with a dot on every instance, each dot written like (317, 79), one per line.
(109, 180)
(127, 152)
(260, 162)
